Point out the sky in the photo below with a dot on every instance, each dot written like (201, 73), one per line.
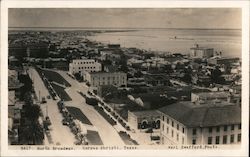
(224, 18)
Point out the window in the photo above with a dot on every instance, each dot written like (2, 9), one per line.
(167, 130)
(182, 140)
(183, 130)
(232, 139)
(210, 129)
(177, 137)
(225, 128)
(209, 140)
(172, 123)
(239, 126)
(194, 141)
(232, 127)
(172, 133)
(168, 120)
(225, 139)
(162, 118)
(194, 131)
(239, 137)
(217, 129)
(217, 140)
(177, 126)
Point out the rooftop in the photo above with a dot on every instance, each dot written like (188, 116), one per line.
(145, 113)
(103, 72)
(203, 115)
(213, 94)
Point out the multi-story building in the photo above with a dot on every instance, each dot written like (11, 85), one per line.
(185, 123)
(97, 79)
(84, 65)
(201, 52)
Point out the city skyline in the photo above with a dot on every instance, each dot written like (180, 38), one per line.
(133, 18)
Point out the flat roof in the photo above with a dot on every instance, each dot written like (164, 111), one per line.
(213, 94)
(145, 113)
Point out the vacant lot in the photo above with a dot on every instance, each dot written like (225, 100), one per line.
(94, 138)
(61, 92)
(77, 113)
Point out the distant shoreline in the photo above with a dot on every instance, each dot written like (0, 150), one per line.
(111, 28)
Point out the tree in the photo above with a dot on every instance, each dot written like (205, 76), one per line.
(25, 79)
(138, 74)
(216, 76)
(32, 112)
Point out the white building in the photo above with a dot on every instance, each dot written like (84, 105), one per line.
(96, 79)
(84, 65)
(201, 52)
(184, 123)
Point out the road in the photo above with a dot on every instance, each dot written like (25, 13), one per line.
(106, 131)
(60, 134)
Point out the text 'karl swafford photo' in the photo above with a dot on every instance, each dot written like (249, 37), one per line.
(124, 79)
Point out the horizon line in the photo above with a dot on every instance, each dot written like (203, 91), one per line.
(127, 28)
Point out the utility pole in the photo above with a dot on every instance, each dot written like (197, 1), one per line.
(47, 110)
(39, 96)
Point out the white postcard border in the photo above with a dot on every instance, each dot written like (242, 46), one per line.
(243, 151)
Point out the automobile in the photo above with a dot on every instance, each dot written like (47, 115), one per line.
(65, 122)
(43, 100)
(48, 97)
(47, 119)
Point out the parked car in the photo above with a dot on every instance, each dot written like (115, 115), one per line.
(43, 100)
(65, 122)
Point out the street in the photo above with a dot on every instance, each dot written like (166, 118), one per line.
(107, 133)
(60, 134)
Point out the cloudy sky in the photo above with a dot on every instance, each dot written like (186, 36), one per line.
(126, 18)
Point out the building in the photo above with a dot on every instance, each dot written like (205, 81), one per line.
(208, 96)
(143, 120)
(157, 79)
(96, 79)
(201, 52)
(114, 46)
(223, 60)
(185, 123)
(84, 65)
(13, 83)
(14, 106)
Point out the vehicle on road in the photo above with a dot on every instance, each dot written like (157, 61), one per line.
(43, 100)
(65, 122)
